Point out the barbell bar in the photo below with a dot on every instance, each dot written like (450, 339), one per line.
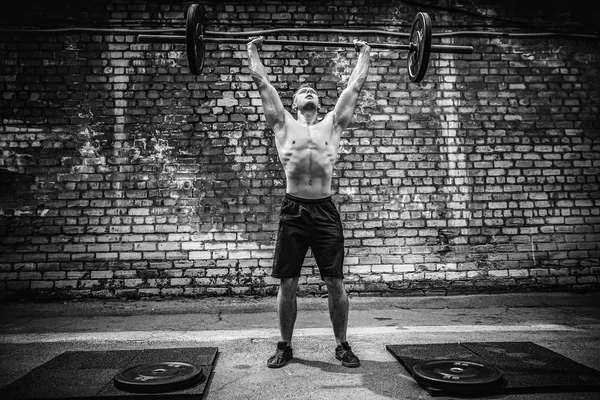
(419, 47)
(435, 48)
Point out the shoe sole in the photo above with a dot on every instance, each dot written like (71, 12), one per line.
(279, 365)
(347, 364)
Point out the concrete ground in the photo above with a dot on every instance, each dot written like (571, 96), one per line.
(244, 330)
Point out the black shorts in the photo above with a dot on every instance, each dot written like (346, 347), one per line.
(304, 224)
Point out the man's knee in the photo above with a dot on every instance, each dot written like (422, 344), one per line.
(335, 286)
(288, 286)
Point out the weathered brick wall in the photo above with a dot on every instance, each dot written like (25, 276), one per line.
(124, 175)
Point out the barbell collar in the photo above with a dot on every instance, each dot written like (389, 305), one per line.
(390, 46)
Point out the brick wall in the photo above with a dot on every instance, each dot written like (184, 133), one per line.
(124, 175)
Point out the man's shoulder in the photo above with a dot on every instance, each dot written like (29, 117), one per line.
(283, 122)
(327, 118)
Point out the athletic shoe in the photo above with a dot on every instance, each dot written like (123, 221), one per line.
(344, 353)
(282, 355)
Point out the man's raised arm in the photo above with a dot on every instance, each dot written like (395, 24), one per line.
(272, 106)
(344, 108)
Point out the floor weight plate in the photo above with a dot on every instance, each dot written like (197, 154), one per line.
(158, 377)
(457, 375)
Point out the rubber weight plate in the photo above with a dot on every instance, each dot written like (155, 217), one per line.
(195, 38)
(457, 375)
(158, 377)
(420, 47)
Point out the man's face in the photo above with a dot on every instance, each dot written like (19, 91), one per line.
(306, 97)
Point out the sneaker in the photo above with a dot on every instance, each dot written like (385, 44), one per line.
(344, 353)
(282, 355)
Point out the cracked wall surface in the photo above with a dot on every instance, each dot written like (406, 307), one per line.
(123, 175)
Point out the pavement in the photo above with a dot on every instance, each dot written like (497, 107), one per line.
(244, 330)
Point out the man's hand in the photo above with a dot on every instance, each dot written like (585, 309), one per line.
(361, 46)
(256, 41)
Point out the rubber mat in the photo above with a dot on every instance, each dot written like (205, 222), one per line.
(89, 374)
(527, 367)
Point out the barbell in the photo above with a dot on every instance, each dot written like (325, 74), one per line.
(419, 46)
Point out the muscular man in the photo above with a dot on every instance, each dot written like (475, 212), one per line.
(308, 148)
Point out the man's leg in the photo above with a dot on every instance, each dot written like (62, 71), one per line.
(338, 307)
(338, 312)
(287, 308)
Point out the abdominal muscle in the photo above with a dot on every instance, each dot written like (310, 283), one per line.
(308, 155)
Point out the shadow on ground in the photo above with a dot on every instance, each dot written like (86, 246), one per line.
(381, 378)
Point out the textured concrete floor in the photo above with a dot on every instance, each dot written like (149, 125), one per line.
(245, 331)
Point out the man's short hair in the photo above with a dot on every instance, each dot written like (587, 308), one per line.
(302, 86)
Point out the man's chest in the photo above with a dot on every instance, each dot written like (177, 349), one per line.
(315, 137)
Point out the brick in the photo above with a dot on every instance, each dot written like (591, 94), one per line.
(54, 275)
(130, 256)
(28, 276)
(180, 281)
(88, 284)
(192, 246)
(360, 269)
(41, 285)
(65, 285)
(217, 271)
(101, 274)
(200, 255)
(380, 269)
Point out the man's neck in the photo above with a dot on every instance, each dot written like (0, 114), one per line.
(308, 117)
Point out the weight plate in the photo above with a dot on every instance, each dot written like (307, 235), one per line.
(420, 47)
(195, 26)
(158, 377)
(457, 375)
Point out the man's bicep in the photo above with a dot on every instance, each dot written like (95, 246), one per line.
(345, 106)
(272, 105)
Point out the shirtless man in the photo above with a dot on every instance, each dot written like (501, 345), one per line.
(308, 148)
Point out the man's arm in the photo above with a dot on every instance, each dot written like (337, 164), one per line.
(344, 108)
(272, 106)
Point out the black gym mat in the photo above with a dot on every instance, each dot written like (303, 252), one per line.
(527, 367)
(82, 375)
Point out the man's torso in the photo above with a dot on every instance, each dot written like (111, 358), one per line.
(308, 154)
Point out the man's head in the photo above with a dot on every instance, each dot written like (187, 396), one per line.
(306, 98)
